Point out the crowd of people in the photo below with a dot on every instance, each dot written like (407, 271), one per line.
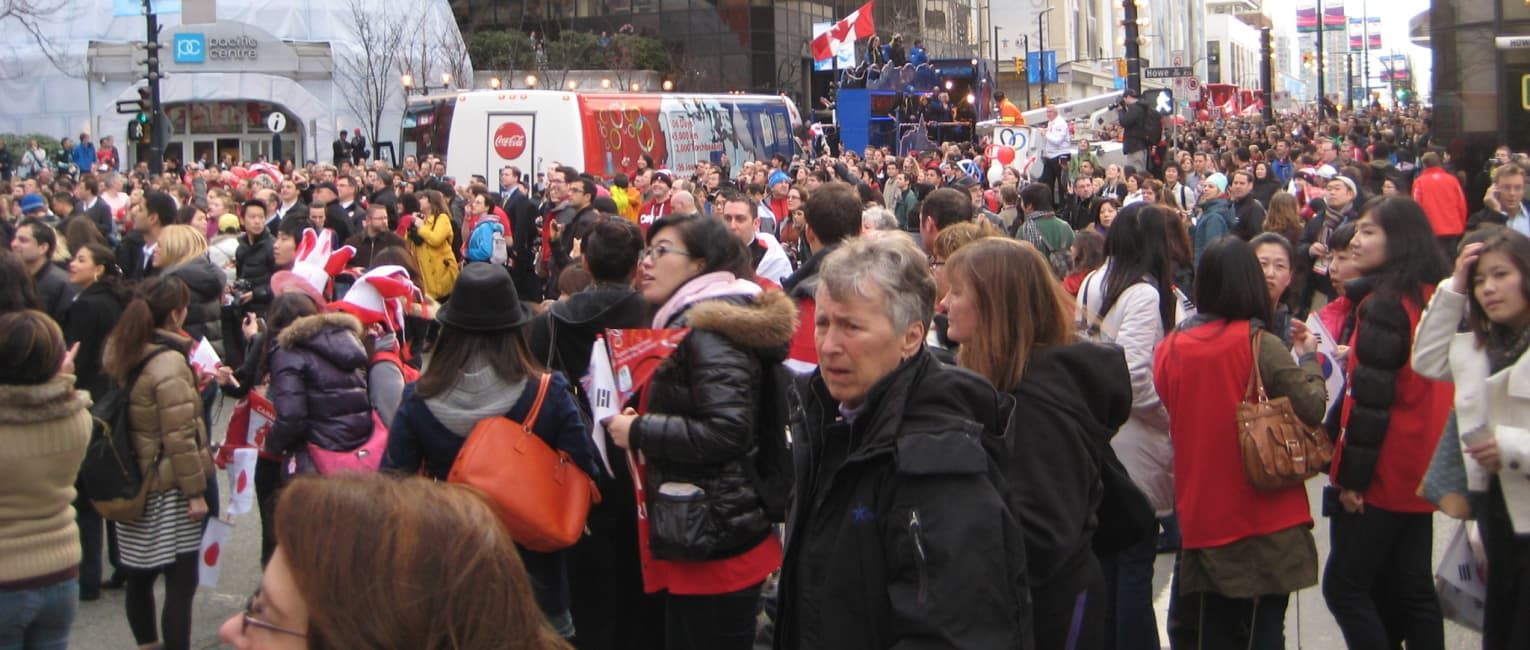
(1002, 399)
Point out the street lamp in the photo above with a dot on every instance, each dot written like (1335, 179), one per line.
(494, 83)
(407, 81)
(531, 81)
(1041, 51)
(446, 80)
(605, 83)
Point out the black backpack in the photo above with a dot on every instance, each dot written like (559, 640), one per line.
(770, 466)
(109, 475)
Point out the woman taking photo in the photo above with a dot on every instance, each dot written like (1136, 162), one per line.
(182, 253)
(165, 418)
(44, 428)
(482, 368)
(1244, 550)
(1490, 290)
(1131, 302)
(1015, 327)
(1381, 530)
(445, 576)
(430, 238)
(706, 409)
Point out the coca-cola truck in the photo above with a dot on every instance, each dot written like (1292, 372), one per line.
(482, 131)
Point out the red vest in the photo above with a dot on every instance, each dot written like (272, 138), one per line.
(1418, 418)
(1201, 375)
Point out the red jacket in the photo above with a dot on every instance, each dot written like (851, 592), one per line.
(1440, 195)
(1201, 375)
(1389, 465)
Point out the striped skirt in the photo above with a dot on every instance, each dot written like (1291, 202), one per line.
(164, 531)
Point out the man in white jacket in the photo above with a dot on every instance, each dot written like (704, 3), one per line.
(1057, 143)
(740, 216)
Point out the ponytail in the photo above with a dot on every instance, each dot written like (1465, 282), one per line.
(156, 300)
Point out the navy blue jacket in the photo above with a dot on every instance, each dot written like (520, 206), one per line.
(417, 439)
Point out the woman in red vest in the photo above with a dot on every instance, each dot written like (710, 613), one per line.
(1378, 581)
(1244, 550)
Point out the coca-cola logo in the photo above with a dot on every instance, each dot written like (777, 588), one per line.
(510, 141)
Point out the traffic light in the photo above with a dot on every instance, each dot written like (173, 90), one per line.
(1121, 68)
(140, 108)
(1020, 66)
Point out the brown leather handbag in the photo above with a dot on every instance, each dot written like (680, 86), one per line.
(1278, 449)
(542, 497)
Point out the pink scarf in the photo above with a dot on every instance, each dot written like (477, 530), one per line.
(703, 287)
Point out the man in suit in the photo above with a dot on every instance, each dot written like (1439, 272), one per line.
(523, 213)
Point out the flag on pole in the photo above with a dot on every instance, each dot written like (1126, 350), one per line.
(210, 558)
(241, 478)
(600, 387)
(856, 26)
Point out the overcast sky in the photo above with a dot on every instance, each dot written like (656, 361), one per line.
(1394, 14)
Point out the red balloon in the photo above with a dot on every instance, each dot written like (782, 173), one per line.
(1006, 155)
(1203, 115)
(991, 151)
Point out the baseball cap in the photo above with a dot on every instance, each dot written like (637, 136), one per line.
(779, 176)
(31, 202)
(1347, 183)
(1131, 92)
(228, 222)
(326, 185)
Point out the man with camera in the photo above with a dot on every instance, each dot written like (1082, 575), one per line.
(1138, 124)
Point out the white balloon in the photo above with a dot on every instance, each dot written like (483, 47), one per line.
(995, 173)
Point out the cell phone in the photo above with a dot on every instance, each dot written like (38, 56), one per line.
(1476, 436)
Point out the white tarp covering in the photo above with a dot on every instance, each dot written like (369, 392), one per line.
(38, 97)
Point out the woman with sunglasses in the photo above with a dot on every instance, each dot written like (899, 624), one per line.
(446, 575)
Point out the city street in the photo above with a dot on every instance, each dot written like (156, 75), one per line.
(102, 624)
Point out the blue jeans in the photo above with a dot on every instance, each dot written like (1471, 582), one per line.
(38, 619)
(1129, 575)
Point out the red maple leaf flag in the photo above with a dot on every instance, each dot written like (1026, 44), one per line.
(856, 26)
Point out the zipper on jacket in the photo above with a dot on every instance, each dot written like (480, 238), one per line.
(916, 531)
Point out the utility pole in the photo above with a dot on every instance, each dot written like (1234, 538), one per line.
(1267, 72)
(1322, 30)
(996, 29)
(1026, 74)
(1365, 49)
(157, 125)
(1133, 47)
(1041, 51)
(1349, 69)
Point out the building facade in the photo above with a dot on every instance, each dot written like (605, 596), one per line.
(736, 45)
(1481, 75)
(265, 79)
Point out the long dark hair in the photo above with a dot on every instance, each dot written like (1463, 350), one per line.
(1229, 283)
(1413, 254)
(17, 289)
(111, 278)
(1516, 247)
(1137, 250)
(710, 241)
(150, 310)
(285, 309)
(507, 352)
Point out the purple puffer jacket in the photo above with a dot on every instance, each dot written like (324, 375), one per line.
(319, 386)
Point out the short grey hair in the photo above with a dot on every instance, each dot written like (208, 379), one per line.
(878, 218)
(895, 267)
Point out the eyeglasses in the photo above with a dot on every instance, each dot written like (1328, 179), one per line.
(656, 252)
(249, 619)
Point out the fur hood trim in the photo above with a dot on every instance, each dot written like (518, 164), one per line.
(767, 321)
(308, 327)
(51, 400)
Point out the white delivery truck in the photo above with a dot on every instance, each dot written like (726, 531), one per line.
(482, 131)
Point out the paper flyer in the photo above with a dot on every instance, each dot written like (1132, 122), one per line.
(204, 359)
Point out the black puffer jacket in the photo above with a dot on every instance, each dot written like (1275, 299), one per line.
(204, 316)
(899, 536)
(1382, 344)
(702, 424)
(319, 386)
(255, 261)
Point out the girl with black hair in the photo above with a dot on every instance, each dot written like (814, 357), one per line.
(1244, 550)
(1131, 302)
(1381, 530)
(146, 354)
(1486, 361)
(1276, 257)
(86, 324)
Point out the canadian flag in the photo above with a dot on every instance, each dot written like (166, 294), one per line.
(856, 26)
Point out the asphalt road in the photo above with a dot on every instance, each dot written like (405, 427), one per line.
(103, 624)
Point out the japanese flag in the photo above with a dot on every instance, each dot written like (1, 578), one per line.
(211, 556)
(241, 479)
